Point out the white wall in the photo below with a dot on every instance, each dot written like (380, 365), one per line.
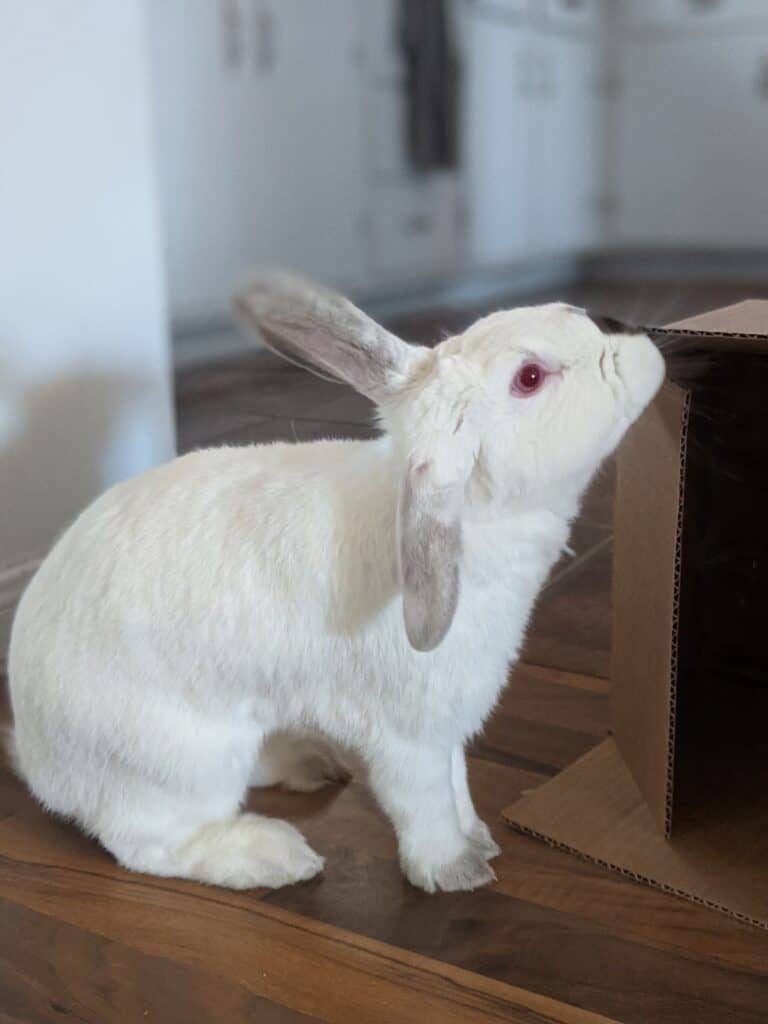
(84, 357)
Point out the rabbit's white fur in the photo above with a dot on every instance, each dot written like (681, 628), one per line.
(236, 593)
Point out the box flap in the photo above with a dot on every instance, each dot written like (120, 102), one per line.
(595, 810)
(749, 317)
(645, 589)
(743, 327)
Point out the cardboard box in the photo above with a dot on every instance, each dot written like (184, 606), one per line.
(678, 796)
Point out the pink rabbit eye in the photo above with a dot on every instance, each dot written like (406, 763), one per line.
(528, 379)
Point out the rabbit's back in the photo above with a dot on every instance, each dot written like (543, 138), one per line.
(205, 563)
(256, 583)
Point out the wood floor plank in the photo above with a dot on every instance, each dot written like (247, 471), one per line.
(276, 955)
(637, 912)
(213, 399)
(565, 677)
(540, 746)
(571, 625)
(549, 877)
(50, 970)
(513, 941)
(561, 700)
(525, 942)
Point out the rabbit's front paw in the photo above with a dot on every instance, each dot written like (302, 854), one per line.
(481, 836)
(469, 870)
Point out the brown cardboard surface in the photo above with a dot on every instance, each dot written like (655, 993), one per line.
(689, 728)
(748, 317)
(741, 327)
(595, 810)
(646, 539)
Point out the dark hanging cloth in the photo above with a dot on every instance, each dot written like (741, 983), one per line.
(432, 84)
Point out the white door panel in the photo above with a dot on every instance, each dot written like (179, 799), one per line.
(564, 145)
(496, 140)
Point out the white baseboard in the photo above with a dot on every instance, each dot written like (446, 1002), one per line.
(206, 339)
(695, 265)
(13, 580)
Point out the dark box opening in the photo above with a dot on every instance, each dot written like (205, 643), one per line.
(722, 683)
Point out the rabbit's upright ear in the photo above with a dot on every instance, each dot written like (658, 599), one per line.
(430, 541)
(318, 328)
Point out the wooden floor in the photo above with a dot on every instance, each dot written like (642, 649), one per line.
(554, 940)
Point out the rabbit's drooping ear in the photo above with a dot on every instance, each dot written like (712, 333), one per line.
(318, 328)
(430, 542)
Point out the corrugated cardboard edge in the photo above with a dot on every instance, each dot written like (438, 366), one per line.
(610, 822)
(748, 319)
(646, 590)
(675, 647)
(634, 876)
(752, 314)
(687, 332)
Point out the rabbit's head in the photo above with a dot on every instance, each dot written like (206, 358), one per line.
(516, 412)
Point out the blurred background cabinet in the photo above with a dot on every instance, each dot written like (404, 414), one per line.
(587, 125)
(214, 166)
(532, 128)
(259, 138)
(498, 82)
(563, 142)
(280, 138)
(412, 221)
(690, 15)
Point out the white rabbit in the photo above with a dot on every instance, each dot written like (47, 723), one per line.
(372, 593)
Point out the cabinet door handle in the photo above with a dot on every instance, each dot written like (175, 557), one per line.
(231, 29)
(418, 224)
(264, 53)
(702, 6)
(762, 78)
(524, 74)
(533, 76)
